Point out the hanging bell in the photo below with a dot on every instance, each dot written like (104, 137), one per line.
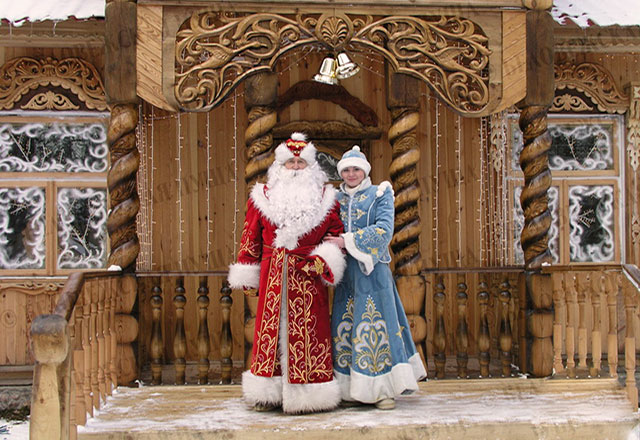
(346, 67)
(327, 74)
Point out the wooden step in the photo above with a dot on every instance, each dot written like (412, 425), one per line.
(519, 409)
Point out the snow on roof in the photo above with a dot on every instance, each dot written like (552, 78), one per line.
(21, 11)
(587, 13)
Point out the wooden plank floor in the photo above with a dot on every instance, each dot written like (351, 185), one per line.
(519, 409)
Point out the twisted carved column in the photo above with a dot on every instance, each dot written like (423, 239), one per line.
(534, 161)
(120, 88)
(121, 180)
(402, 101)
(261, 93)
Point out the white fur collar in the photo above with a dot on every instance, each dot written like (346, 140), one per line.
(287, 237)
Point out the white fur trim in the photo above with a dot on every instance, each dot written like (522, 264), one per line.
(308, 153)
(288, 237)
(365, 259)
(402, 379)
(244, 275)
(333, 256)
(310, 397)
(258, 389)
(383, 187)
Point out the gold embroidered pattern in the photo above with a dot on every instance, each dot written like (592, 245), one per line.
(248, 243)
(372, 341)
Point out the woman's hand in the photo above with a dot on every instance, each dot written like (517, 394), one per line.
(338, 241)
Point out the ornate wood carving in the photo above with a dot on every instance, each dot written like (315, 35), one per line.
(20, 76)
(595, 82)
(633, 127)
(216, 51)
(31, 287)
(534, 162)
(327, 130)
(49, 101)
(569, 103)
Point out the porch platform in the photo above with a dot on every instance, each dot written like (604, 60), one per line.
(513, 408)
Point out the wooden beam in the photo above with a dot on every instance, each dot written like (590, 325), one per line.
(540, 52)
(120, 52)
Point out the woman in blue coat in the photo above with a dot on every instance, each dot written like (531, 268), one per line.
(374, 357)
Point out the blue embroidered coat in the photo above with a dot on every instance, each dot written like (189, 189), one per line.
(374, 356)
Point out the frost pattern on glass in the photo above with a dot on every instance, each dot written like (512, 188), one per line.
(591, 234)
(329, 165)
(82, 216)
(552, 194)
(22, 228)
(61, 147)
(574, 147)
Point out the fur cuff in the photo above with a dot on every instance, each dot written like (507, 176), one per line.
(334, 258)
(257, 389)
(366, 260)
(244, 275)
(310, 397)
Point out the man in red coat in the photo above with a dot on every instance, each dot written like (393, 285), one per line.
(283, 255)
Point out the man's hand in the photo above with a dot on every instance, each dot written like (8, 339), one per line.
(313, 266)
(338, 241)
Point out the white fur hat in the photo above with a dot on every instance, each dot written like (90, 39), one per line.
(296, 145)
(354, 158)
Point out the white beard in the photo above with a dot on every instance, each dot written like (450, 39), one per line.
(295, 197)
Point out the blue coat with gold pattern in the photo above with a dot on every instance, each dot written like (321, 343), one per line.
(374, 356)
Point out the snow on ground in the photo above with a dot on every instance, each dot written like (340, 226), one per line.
(12, 430)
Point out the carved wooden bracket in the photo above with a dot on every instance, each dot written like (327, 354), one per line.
(44, 84)
(458, 53)
(633, 127)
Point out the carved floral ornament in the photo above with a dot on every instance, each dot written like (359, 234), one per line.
(20, 76)
(216, 51)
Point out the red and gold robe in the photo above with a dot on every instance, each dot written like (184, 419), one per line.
(295, 265)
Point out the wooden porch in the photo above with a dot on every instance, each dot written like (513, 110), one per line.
(442, 409)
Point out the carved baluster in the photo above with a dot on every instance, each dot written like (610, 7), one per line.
(203, 332)
(93, 334)
(112, 329)
(100, 326)
(156, 348)
(611, 286)
(80, 414)
(462, 333)
(584, 284)
(570, 280)
(560, 309)
(74, 337)
(86, 348)
(597, 287)
(226, 339)
(439, 336)
(629, 292)
(505, 337)
(179, 339)
(484, 339)
(106, 331)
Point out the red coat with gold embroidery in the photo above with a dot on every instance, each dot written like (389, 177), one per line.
(295, 264)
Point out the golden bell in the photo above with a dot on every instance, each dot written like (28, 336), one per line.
(327, 74)
(346, 67)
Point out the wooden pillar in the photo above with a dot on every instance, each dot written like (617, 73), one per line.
(260, 98)
(120, 88)
(537, 298)
(403, 94)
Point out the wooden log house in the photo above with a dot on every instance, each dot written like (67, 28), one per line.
(512, 143)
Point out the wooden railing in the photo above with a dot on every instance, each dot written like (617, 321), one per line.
(596, 319)
(75, 353)
(471, 315)
(175, 315)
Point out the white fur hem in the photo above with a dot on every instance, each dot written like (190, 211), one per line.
(257, 389)
(244, 275)
(402, 379)
(333, 256)
(365, 259)
(310, 397)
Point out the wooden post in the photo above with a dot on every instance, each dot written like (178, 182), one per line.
(260, 99)
(403, 94)
(120, 88)
(462, 331)
(597, 284)
(505, 337)
(203, 332)
(559, 307)
(439, 334)
(156, 334)
(226, 340)
(537, 302)
(179, 339)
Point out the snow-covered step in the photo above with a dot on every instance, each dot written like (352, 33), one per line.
(494, 409)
